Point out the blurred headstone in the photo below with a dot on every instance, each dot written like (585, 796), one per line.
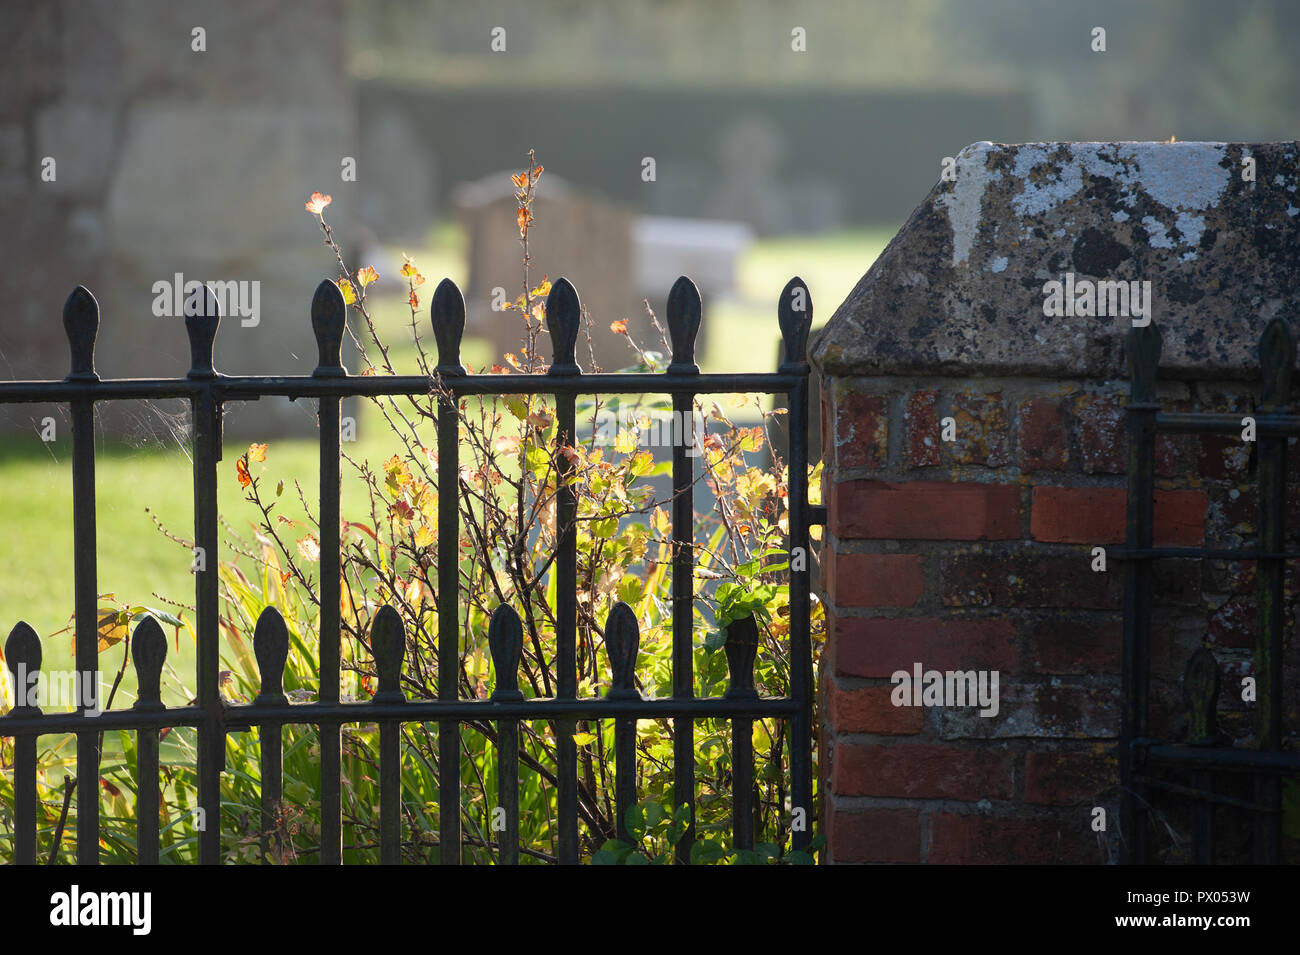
(584, 238)
(707, 250)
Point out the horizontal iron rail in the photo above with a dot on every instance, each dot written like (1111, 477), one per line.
(1209, 553)
(1220, 757)
(241, 717)
(1193, 421)
(248, 388)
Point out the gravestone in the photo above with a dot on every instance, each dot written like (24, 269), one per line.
(581, 237)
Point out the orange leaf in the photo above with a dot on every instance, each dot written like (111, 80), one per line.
(367, 276)
(619, 327)
(318, 203)
(257, 452)
(520, 180)
(537, 173)
(413, 300)
(524, 218)
(241, 471)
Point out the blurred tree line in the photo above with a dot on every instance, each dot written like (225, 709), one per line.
(1195, 69)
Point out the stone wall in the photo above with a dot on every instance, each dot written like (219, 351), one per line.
(976, 553)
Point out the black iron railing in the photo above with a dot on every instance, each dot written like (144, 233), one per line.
(1203, 754)
(207, 391)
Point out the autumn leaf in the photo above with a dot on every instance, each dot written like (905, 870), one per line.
(112, 626)
(520, 180)
(401, 511)
(619, 327)
(413, 300)
(318, 203)
(367, 276)
(544, 289)
(507, 444)
(537, 173)
(257, 452)
(424, 536)
(241, 471)
(524, 218)
(408, 266)
(309, 548)
(349, 293)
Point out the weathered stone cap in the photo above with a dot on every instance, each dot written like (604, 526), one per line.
(961, 288)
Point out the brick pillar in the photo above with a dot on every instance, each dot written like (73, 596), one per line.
(974, 454)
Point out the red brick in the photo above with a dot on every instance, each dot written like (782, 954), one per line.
(973, 839)
(861, 431)
(1026, 579)
(870, 710)
(1066, 647)
(1101, 436)
(1096, 515)
(1077, 515)
(1069, 779)
(1042, 435)
(926, 510)
(921, 417)
(1223, 457)
(1233, 624)
(921, 771)
(981, 430)
(877, 835)
(878, 647)
(875, 580)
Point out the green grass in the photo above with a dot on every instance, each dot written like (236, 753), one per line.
(138, 565)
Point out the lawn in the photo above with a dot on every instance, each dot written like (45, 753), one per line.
(137, 484)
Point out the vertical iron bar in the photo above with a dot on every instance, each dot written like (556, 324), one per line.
(328, 320)
(87, 638)
(447, 315)
(506, 642)
(794, 315)
(566, 621)
(202, 318)
(622, 644)
(742, 783)
(448, 629)
(683, 520)
(25, 799)
(23, 659)
(271, 646)
(742, 649)
(149, 652)
(331, 755)
(207, 451)
(684, 312)
(388, 644)
(1277, 358)
(81, 323)
(1143, 356)
(271, 738)
(563, 316)
(800, 641)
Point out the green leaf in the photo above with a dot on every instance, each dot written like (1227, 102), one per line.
(637, 858)
(654, 813)
(518, 407)
(634, 819)
(584, 739)
(602, 857)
